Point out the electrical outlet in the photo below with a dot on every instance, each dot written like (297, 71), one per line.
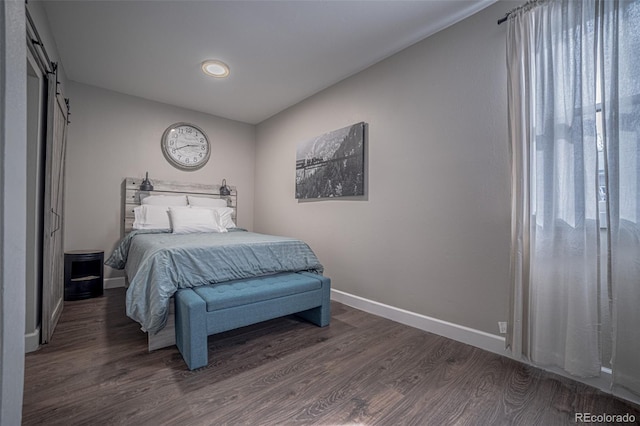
(502, 325)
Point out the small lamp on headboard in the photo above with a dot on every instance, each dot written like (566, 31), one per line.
(146, 184)
(224, 189)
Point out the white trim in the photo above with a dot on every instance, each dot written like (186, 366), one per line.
(32, 340)
(622, 393)
(117, 282)
(602, 382)
(470, 336)
(460, 333)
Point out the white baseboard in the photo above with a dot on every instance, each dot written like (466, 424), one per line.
(460, 333)
(470, 336)
(32, 341)
(116, 282)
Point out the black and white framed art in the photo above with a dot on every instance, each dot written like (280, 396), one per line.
(332, 165)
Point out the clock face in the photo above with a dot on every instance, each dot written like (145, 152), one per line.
(186, 146)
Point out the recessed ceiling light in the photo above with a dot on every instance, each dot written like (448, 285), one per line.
(215, 68)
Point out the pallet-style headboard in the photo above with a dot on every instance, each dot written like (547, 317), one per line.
(133, 195)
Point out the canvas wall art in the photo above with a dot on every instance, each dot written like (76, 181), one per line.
(331, 165)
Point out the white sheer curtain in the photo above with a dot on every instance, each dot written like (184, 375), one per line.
(620, 39)
(556, 93)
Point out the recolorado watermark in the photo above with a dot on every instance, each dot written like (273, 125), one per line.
(604, 418)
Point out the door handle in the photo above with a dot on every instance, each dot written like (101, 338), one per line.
(57, 224)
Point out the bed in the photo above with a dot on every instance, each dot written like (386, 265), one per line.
(158, 262)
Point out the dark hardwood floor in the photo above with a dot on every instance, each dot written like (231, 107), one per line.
(362, 369)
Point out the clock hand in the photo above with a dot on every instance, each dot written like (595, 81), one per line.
(184, 146)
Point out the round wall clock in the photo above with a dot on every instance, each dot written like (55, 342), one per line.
(185, 146)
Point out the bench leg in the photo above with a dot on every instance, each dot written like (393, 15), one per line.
(321, 315)
(191, 328)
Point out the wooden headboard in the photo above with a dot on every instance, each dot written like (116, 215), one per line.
(133, 195)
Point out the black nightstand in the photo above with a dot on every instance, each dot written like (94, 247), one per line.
(83, 274)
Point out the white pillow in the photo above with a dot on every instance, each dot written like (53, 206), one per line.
(226, 218)
(225, 215)
(207, 202)
(165, 200)
(188, 220)
(151, 217)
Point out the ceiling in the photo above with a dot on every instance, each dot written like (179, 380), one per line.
(279, 52)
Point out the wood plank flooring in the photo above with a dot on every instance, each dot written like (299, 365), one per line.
(362, 370)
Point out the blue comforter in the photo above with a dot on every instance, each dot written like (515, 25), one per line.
(159, 263)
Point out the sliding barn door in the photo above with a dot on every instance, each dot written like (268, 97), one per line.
(53, 250)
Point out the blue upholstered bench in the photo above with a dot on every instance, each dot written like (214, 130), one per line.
(206, 310)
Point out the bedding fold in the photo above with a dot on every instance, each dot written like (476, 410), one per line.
(159, 263)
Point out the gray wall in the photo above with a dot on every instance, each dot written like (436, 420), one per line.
(432, 235)
(113, 136)
(13, 208)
